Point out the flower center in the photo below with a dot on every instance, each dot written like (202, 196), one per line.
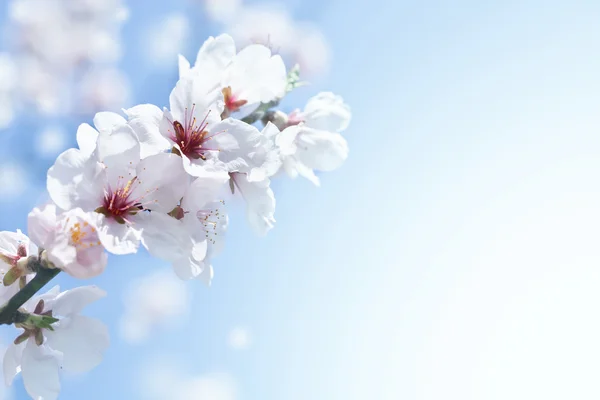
(119, 203)
(232, 103)
(83, 235)
(192, 136)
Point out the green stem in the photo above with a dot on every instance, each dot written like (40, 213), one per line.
(260, 112)
(8, 312)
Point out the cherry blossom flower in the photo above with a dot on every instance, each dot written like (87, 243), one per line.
(131, 196)
(75, 343)
(311, 139)
(195, 131)
(246, 79)
(70, 240)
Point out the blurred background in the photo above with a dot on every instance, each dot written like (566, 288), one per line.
(454, 256)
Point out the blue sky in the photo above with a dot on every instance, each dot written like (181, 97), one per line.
(453, 256)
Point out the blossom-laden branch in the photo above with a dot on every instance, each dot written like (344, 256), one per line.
(157, 177)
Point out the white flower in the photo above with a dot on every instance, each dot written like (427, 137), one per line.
(260, 201)
(70, 240)
(15, 249)
(205, 219)
(246, 79)
(132, 196)
(311, 141)
(76, 343)
(195, 131)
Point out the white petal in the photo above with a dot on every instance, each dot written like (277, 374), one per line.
(86, 139)
(118, 238)
(64, 176)
(286, 140)
(39, 368)
(146, 111)
(218, 52)
(321, 150)
(203, 190)
(72, 301)
(164, 236)
(41, 223)
(327, 112)
(118, 150)
(260, 203)
(194, 97)
(184, 66)
(162, 182)
(307, 173)
(188, 268)
(82, 341)
(12, 362)
(236, 141)
(106, 121)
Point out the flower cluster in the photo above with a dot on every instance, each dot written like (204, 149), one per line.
(158, 178)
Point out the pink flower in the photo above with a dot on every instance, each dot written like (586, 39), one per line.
(70, 240)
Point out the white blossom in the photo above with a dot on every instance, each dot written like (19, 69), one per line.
(76, 342)
(311, 140)
(246, 79)
(132, 196)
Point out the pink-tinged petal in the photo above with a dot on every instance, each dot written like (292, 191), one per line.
(39, 368)
(41, 223)
(75, 246)
(327, 112)
(86, 139)
(72, 302)
(164, 236)
(82, 341)
(12, 362)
